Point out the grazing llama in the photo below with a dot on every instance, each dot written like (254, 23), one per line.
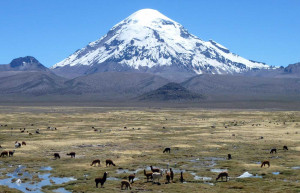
(95, 162)
(4, 153)
(56, 155)
(126, 184)
(109, 162)
(221, 175)
(167, 150)
(72, 154)
(23, 143)
(264, 163)
(274, 150)
(101, 180)
(285, 148)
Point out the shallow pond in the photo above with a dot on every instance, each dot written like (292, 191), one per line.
(25, 182)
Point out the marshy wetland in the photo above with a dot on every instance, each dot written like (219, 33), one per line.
(134, 138)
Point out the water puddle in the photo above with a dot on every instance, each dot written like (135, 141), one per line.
(61, 190)
(206, 161)
(113, 179)
(206, 180)
(46, 168)
(296, 168)
(276, 173)
(28, 182)
(248, 175)
(218, 170)
(124, 171)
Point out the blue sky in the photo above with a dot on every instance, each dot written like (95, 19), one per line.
(50, 30)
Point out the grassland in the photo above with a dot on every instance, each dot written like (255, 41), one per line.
(199, 140)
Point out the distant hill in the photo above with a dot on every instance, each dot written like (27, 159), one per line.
(115, 84)
(229, 87)
(170, 92)
(30, 83)
(27, 63)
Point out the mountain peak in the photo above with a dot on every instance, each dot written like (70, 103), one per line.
(146, 17)
(148, 41)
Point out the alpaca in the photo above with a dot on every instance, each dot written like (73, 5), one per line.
(109, 162)
(229, 157)
(126, 184)
(171, 174)
(11, 153)
(72, 154)
(56, 155)
(148, 175)
(23, 143)
(131, 177)
(154, 169)
(30, 133)
(221, 175)
(285, 148)
(101, 180)
(17, 144)
(264, 163)
(181, 177)
(157, 176)
(167, 150)
(97, 161)
(4, 153)
(273, 150)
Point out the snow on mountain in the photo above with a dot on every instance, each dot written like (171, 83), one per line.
(149, 40)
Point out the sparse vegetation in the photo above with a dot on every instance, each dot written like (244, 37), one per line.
(197, 147)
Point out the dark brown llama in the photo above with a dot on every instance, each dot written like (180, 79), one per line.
(95, 162)
(221, 175)
(101, 180)
(148, 175)
(109, 162)
(264, 163)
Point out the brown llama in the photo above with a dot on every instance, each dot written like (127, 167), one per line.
(11, 153)
(285, 148)
(56, 155)
(4, 153)
(101, 180)
(264, 163)
(72, 154)
(274, 150)
(221, 175)
(167, 150)
(96, 161)
(148, 175)
(168, 177)
(181, 177)
(109, 162)
(154, 169)
(23, 143)
(131, 177)
(126, 184)
(171, 174)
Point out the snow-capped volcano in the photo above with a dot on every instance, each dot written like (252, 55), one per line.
(148, 41)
